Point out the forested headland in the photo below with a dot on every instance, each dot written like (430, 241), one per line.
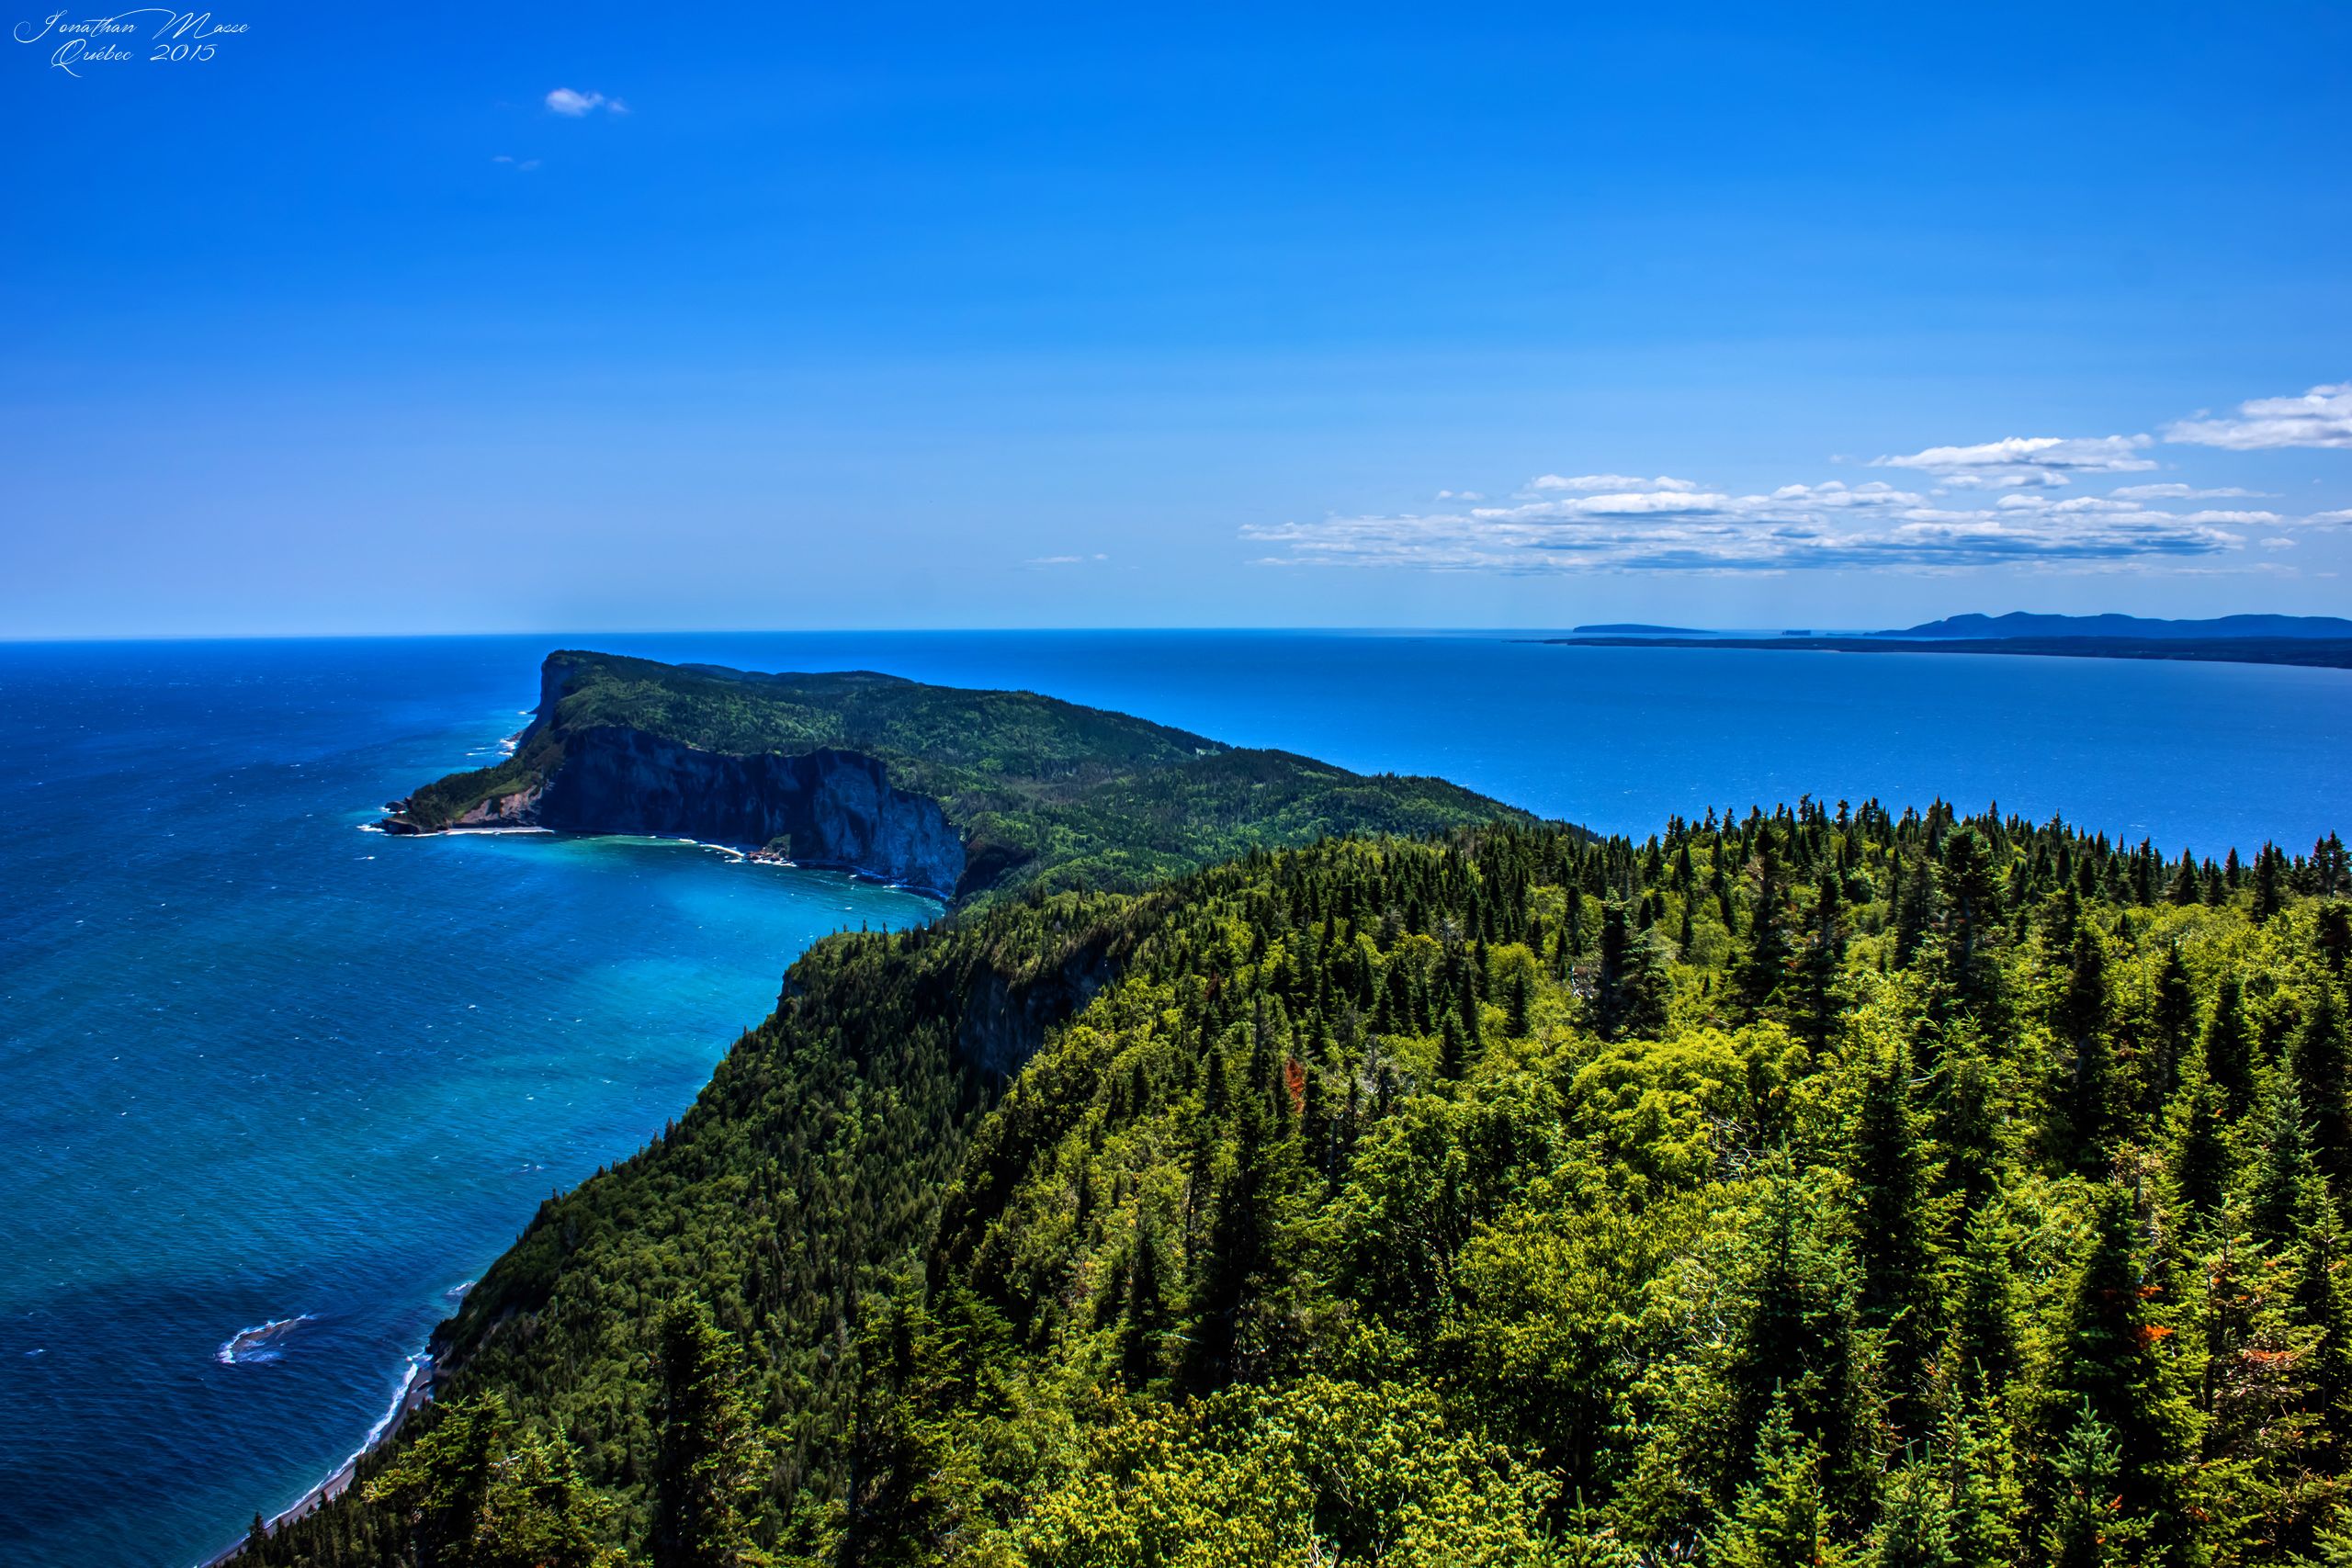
(1814, 1186)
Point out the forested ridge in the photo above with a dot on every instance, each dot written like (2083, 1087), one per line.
(1824, 1186)
(1040, 791)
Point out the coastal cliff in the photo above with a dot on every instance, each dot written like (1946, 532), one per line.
(828, 806)
(825, 807)
(964, 793)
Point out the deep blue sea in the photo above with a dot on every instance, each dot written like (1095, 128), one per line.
(259, 1066)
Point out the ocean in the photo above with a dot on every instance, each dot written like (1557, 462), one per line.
(274, 1088)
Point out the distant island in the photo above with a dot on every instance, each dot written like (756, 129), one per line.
(2217, 629)
(2312, 640)
(964, 793)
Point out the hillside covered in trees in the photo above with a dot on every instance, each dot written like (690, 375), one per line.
(971, 793)
(1824, 1186)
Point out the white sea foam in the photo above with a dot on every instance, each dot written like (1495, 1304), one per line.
(258, 1343)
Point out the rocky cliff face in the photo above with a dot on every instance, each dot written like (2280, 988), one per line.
(836, 808)
(1004, 1021)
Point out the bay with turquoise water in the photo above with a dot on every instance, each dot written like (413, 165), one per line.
(260, 1066)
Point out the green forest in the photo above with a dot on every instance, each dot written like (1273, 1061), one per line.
(1824, 1186)
(1041, 791)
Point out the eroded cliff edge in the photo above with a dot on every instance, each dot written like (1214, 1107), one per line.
(826, 807)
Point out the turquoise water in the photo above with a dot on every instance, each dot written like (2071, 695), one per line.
(258, 1064)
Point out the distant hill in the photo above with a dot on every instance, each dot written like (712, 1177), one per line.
(1636, 629)
(962, 793)
(2020, 624)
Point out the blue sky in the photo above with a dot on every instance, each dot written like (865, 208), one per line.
(596, 317)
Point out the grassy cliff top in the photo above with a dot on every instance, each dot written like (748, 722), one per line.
(1042, 790)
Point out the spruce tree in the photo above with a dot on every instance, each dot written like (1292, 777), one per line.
(1893, 1239)
(2109, 1381)
(2323, 1077)
(1780, 1519)
(1915, 1521)
(2174, 1022)
(1763, 965)
(2229, 1058)
(710, 1464)
(2090, 1094)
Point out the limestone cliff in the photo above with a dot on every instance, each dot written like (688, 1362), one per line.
(831, 807)
(834, 807)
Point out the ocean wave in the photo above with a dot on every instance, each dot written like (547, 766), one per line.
(249, 1346)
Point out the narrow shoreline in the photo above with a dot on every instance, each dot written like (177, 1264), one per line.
(415, 1392)
(757, 856)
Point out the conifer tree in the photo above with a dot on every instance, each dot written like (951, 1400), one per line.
(1763, 966)
(710, 1464)
(1892, 1238)
(2282, 1168)
(1780, 1519)
(2089, 1527)
(2229, 1060)
(2090, 1095)
(1915, 1521)
(1822, 995)
(2323, 1077)
(1983, 1351)
(2174, 1020)
(1969, 895)
(2107, 1382)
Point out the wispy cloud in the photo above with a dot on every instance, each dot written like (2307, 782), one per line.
(1618, 522)
(2321, 417)
(1797, 527)
(2019, 460)
(522, 165)
(574, 105)
(1607, 482)
(2184, 492)
(1066, 561)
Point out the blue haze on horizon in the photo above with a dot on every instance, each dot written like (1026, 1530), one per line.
(597, 316)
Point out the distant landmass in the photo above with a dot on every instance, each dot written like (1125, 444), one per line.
(2314, 640)
(2331, 653)
(2023, 624)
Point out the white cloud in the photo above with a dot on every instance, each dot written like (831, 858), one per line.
(523, 164)
(574, 105)
(1796, 528)
(2020, 515)
(1607, 482)
(2019, 460)
(2175, 491)
(1065, 560)
(2321, 417)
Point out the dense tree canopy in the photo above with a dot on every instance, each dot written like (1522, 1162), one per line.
(1820, 1187)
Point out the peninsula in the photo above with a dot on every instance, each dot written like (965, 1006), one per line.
(964, 794)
